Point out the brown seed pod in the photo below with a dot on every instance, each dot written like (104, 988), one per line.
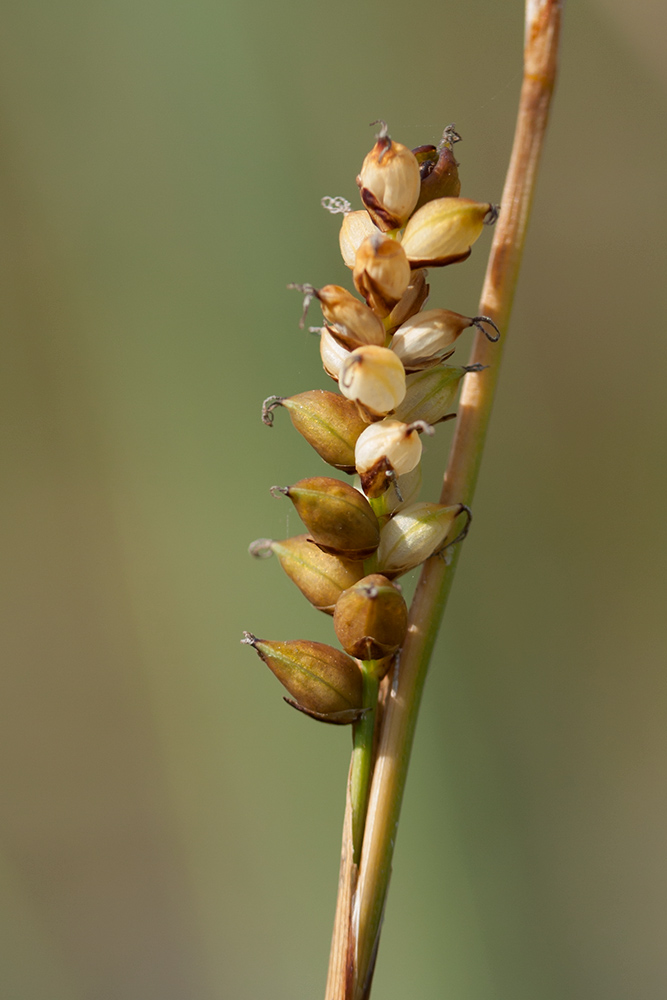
(381, 273)
(329, 422)
(371, 618)
(438, 169)
(338, 517)
(413, 299)
(325, 683)
(320, 576)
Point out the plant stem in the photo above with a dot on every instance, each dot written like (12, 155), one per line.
(362, 756)
(399, 719)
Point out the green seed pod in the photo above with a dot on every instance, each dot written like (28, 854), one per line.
(371, 618)
(339, 518)
(438, 169)
(414, 534)
(329, 422)
(443, 231)
(431, 393)
(320, 576)
(325, 683)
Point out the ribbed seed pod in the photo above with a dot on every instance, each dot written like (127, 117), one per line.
(414, 534)
(423, 339)
(386, 450)
(333, 354)
(381, 273)
(338, 517)
(356, 226)
(325, 682)
(438, 169)
(443, 231)
(350, 321)
(329, 422)
(371, 618)
(430, 393)
(320, 576)
(413, 299)
(375, 378)
(389, 182)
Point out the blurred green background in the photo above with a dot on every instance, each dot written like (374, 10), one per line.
(168, 828)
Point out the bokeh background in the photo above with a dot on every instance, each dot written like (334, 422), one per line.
(168, 828)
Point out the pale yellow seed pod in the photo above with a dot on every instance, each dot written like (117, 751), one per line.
(350, 321)
(356, 226)
(375, 378)
(412, 535)
(381, 273)
(422, 340)
(390, 440)
(389, 182)
(332, 353)
(443, 231)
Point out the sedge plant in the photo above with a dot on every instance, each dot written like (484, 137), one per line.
(387, 354)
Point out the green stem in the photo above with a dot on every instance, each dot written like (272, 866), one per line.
(400, 716)
(362, 756)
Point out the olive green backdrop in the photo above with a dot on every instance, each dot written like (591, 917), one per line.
(168, 828)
